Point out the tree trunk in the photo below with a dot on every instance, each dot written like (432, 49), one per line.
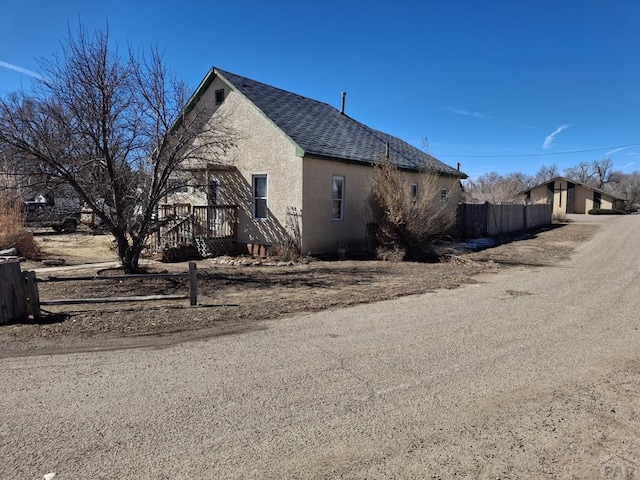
(129, 253)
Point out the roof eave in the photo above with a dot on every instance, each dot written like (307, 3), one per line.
(371, 163)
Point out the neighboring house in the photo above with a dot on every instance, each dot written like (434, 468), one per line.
(568, 196)
(301, 168)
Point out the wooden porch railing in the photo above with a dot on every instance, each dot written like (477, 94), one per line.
(212, 229)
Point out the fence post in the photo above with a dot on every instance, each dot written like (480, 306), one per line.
(12, 298)
(485, 215)
(193, 284)
(33, 305)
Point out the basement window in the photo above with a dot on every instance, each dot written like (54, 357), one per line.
(219, 96)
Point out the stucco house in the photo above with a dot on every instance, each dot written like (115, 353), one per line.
(301, 168)
(569, 196)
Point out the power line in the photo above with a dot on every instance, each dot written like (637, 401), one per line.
(543, 154)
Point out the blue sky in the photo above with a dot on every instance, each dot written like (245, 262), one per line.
(495, 85)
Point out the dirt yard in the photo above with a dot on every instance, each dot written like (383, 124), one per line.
(236, 297)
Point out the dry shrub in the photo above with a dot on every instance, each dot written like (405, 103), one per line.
(559, 217)
(390, 254)
(285, 252)
(13, 233)
(408, 225)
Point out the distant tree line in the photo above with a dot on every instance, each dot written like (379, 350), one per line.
(496, 188)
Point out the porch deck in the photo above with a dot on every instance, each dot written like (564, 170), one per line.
(211, 229)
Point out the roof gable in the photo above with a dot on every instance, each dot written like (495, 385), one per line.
(575, 182)
(321, 130)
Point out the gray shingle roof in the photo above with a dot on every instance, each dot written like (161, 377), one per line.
(320, 129)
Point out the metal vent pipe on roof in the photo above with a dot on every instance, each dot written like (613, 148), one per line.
(344, 97)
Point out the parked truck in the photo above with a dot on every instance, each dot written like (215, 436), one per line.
(43, 215)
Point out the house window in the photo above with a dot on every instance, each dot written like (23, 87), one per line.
(178, 186)
(213, 193)
(414, 191)
(259, 183)
(337, 198)
(444, 193)
(219, 96)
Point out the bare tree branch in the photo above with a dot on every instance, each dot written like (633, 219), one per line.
(113, 128)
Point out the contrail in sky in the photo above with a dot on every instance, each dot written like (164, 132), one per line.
(549, 140)
(20, 69)
(611, 152)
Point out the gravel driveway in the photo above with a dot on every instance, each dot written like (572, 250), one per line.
(531, 373)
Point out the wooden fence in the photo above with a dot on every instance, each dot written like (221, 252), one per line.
(25, 297)
(12, 295)
(486, 220)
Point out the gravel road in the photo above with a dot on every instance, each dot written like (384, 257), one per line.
(532, 373)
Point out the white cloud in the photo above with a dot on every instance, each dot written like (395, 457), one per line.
(467, 113)
(20, 70)
(548, 142)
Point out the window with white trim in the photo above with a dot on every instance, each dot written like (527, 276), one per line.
(259, 193)
(337, 198)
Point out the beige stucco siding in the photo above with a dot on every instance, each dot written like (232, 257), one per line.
(321, 233)
(262, 149)
(582, 200)
(539, 194)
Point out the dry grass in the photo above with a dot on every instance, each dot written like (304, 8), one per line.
(240, 297)
(559, 217)
(13, 233)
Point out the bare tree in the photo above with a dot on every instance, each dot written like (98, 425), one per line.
(583, 173)
(495, 188)
(113, 128)
(597, 173)
(546, 173)
(409, 211)
(603, 169)
(626, 185)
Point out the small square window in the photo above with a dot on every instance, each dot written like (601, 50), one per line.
(219, 96)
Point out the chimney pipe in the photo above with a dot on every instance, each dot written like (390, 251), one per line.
(458, 166)
(344, 97)
(386, 150)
